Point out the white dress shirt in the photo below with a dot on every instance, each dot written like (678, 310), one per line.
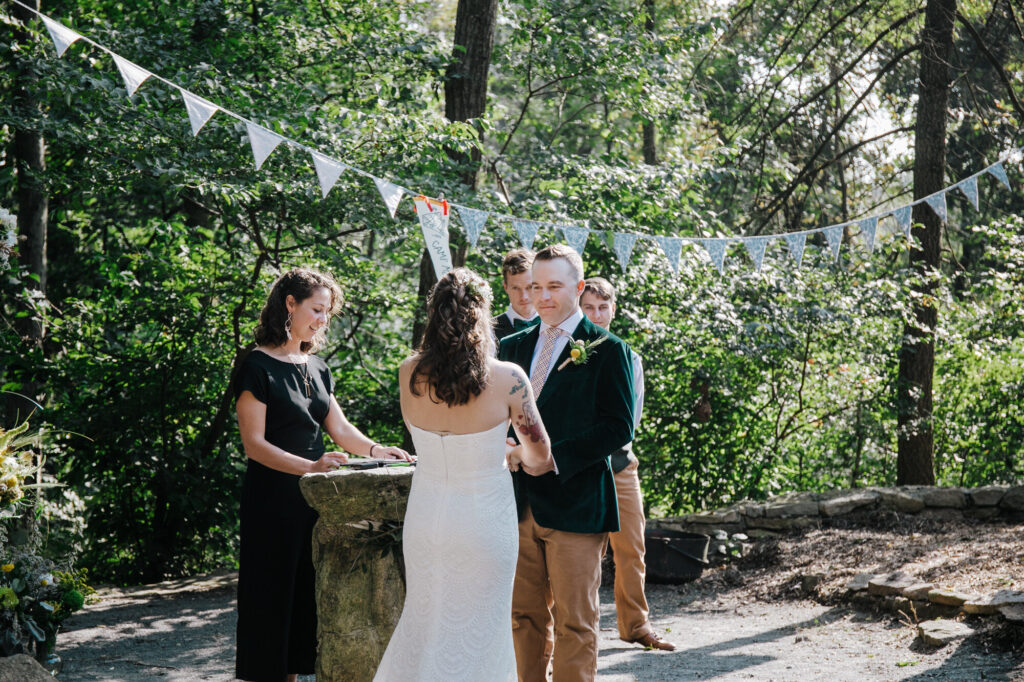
(512, 316)
(638, 387)
(568, 326)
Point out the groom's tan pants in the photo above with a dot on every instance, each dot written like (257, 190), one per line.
(566, 567)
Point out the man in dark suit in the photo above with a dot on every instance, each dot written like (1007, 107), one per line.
(516, 279)
(586, 403)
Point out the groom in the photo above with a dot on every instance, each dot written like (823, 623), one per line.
(565, 514)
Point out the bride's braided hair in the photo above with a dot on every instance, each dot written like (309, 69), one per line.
(452, 359)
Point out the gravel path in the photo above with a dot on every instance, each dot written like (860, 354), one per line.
(184, 630)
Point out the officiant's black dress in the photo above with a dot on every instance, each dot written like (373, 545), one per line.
(276, 632)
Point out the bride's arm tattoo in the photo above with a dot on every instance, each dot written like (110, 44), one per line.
(520, 384)
(529, 423)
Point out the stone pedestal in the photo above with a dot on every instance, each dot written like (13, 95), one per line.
(359, 582)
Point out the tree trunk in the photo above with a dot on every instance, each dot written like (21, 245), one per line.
(649, 131)
(465, 98)
(915, 459)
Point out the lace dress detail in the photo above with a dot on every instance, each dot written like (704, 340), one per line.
(461, 542)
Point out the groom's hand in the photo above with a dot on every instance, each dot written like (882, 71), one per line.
(513, 454)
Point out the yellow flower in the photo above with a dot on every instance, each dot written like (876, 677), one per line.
(7, 568)
(575, 353)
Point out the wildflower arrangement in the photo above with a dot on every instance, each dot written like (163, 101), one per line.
(8, 237)
(35, 597)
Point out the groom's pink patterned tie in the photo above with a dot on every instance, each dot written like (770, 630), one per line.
(540, 369)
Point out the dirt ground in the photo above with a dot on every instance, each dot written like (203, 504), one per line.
(749, 621)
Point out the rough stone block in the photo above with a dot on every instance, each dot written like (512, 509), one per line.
(716, 517)
(901, 500)
(942, 632)
(950, 597)
(22, 668)
(987, 496)
(944, 497)
(994, 602)
(1013, 499)
(890, 583)
(777, 510)
(859, 582)
(845, 504)
(1013, 613)
(918, 590)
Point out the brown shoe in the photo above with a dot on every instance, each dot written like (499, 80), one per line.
(653, 641)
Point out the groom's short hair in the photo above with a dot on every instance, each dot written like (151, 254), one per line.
(562, 251)
(516, 262)
(600, 287)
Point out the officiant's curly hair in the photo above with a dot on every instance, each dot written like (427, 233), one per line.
(299, 283)
(452, 360)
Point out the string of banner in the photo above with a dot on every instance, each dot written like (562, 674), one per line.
(434, 214)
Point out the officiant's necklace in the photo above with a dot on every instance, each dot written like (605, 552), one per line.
(302, 367)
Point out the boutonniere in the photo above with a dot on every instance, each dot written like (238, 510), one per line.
(580, 351)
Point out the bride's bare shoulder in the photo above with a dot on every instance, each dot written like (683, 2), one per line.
(505, 373)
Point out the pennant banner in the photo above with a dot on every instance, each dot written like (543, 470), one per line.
(473, 220)
(970, 189)
(575, 237)
(527, 231)
(902, 216)
(999, 173)
(671, 247)
(61, 35)
(938, 204)
(391, 194)
(327, 172)
(834, 235)
(715, 249)
(756, 247)
(262, 141)
(796, 242)
(132, 74)
(434, 223)
(868, 227)
(623, 246)
(199, 110)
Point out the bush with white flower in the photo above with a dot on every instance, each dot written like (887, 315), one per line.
(8, 237)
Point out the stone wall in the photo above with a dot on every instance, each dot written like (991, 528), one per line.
(795, 511)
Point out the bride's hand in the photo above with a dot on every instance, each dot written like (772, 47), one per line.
(329, 461)
(389, 452)
(513, 454)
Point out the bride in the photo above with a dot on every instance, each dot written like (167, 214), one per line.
(461, 536)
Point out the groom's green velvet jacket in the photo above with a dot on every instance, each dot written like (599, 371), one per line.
(588, 413)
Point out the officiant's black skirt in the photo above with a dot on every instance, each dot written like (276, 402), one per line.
(276, 632)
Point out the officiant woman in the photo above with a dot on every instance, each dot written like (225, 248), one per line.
(285, 404)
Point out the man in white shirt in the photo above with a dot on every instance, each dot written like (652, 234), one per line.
(598, 304)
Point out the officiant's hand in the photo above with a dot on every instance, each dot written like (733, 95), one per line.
(389, 452)
(329, 461)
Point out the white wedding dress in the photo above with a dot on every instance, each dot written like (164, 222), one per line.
(461, 542)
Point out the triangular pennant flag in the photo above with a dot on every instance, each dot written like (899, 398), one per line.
(938, 203)
(834, 235)
(902, 216)
(969, 187)
(132, 74)
(262, 141)
(868, 227)
(715, 249)
(199, 110)
(473, 220)
(623, 246)
(391, 194)
(527, 231)
(756, 247)
(796, 242)
(61, 35)
(671, 247)
(327, 172)
(434, 223)
(999, 173)
(575, 237)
